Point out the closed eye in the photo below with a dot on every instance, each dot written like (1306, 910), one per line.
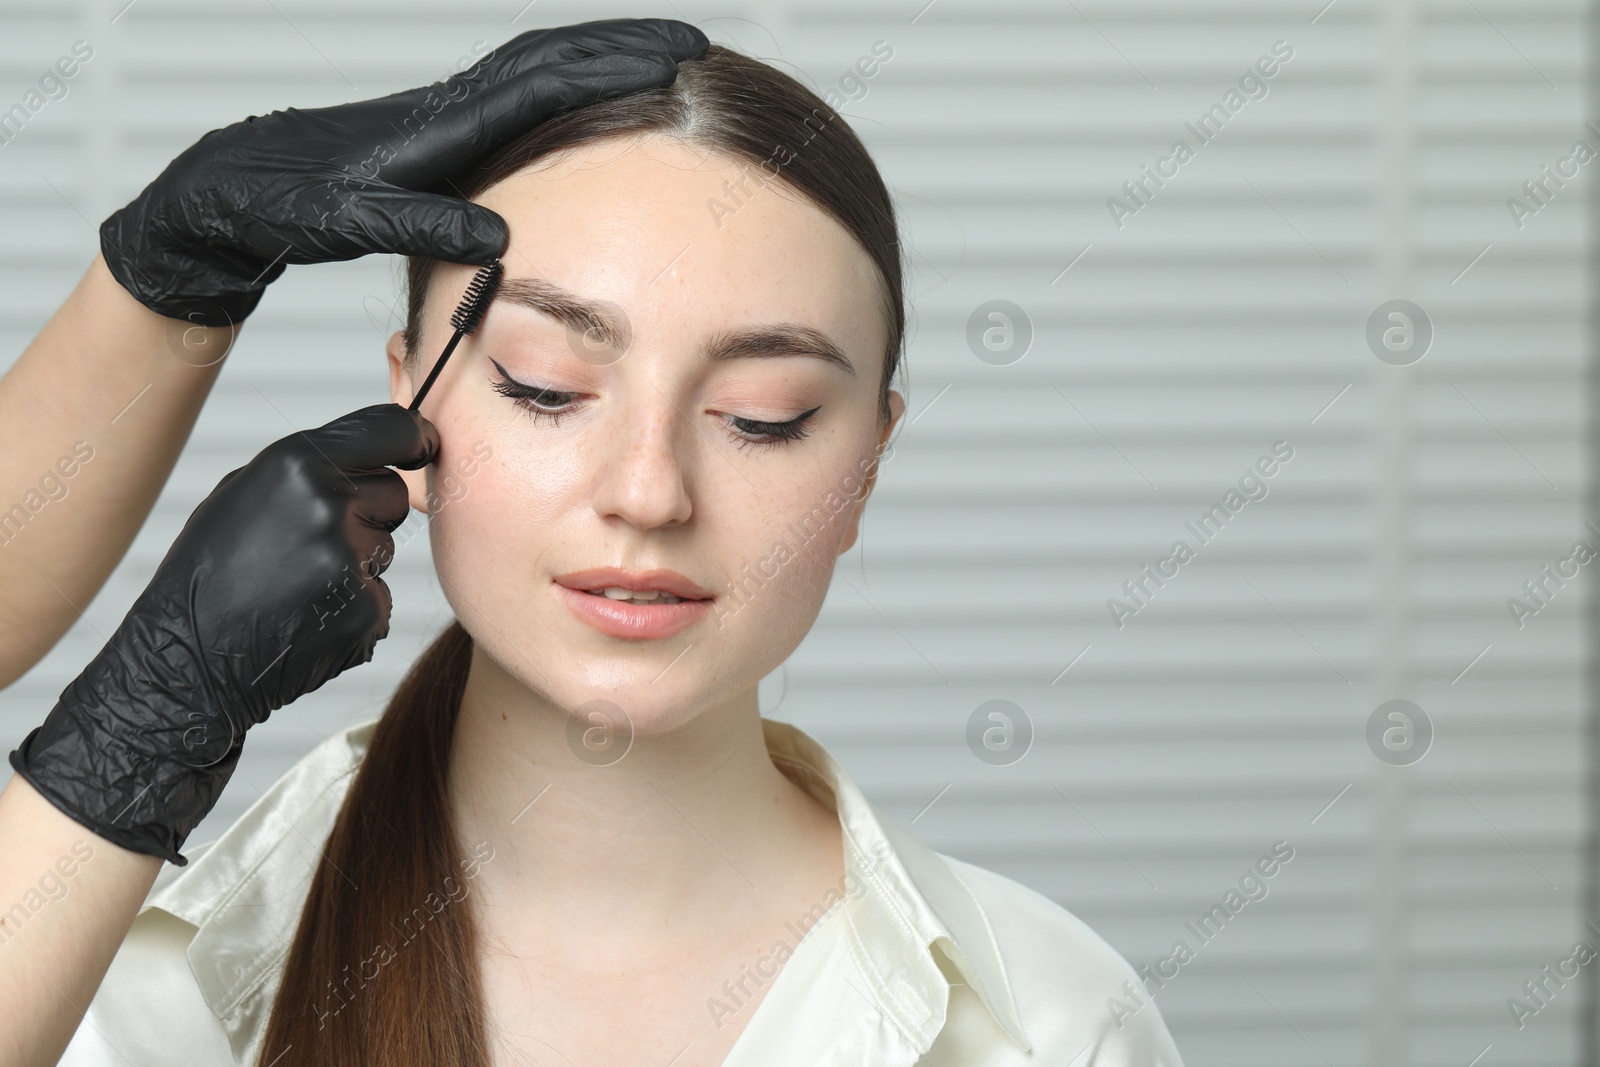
(536, 400)
(541, 402)
(756, 432)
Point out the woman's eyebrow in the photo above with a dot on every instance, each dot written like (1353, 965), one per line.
(777, 339)
(568, 308)
(587, 316)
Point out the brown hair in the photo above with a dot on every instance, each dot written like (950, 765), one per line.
(382, 968)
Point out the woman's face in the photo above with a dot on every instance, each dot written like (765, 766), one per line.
(669, 446)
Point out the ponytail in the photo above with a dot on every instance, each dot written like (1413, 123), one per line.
(380, 971)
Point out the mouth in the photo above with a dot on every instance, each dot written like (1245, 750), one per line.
(634, 605)
(641, 587)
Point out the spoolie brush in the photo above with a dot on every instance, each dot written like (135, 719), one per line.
(468, 314)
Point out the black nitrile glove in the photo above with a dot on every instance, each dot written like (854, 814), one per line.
(205, 239)
(270, 590)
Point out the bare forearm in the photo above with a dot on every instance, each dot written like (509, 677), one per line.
(67, 899)
(93, 417)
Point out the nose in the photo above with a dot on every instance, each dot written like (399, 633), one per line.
(641, 478)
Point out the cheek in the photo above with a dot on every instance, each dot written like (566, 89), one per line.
(787, 544)
(503, 517)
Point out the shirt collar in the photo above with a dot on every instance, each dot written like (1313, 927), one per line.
(243, 894)
(913, 905)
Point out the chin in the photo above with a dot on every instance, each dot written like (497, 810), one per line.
(646, 690)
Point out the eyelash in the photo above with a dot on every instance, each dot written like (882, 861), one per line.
(769, 434)
(528, 398)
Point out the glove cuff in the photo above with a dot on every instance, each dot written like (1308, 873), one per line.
(203, 301)
(163, 844)
(143, 805)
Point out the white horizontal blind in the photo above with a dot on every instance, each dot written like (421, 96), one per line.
(1227, 312)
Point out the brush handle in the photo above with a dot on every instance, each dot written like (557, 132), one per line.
(427, 383)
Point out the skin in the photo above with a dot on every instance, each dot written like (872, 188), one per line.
(129, 383)
(650, 881)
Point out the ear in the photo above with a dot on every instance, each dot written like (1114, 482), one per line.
(897, 408)
(401, 390)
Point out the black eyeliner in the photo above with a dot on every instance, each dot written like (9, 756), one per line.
(515, 390)
(790, 429)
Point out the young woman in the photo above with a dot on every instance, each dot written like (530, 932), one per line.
(571, 837)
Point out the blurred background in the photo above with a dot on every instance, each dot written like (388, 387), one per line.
(1368, 272)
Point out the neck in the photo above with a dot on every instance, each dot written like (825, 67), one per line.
(692, 825)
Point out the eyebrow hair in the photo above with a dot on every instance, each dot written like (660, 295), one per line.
(778, 339)
(611, 327)
(571, 310)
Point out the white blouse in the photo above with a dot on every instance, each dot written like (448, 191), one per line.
(924, 959)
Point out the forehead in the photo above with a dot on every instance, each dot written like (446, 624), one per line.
(674, 233)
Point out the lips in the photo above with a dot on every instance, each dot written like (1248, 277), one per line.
(661, 580)
(633, 605)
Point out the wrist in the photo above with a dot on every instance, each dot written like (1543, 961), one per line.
(127, 758)
(191, 344)
(135, 819)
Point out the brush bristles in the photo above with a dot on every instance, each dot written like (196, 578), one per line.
(478, 296)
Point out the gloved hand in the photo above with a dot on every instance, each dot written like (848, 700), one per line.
(270, 590)
(203, 240)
